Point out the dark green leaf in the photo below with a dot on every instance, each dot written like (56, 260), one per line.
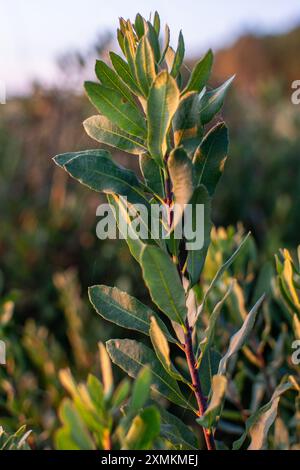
(131, 356)
(208, 368)
(210, 157)
(200, 74)
(152, 174)
(187, 128)
(153, 39)
(139, 25)
(102, 174)
(141, 390)
(212, 102)
(120, 308)
(156, 23)
(179, 56)
(173, 429)
(196, 257)
(64, 158)
(162, 279)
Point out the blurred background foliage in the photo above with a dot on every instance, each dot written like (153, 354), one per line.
(49, 253)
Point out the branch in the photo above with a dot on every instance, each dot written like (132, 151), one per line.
(201, 400)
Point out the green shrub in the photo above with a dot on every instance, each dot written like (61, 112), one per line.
(146, 110)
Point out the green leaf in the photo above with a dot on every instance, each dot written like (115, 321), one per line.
(213, 411)
(74, 428)
(156, 23)
(141, 389)
(117, 109)
(196, 257)
(153, 39)
(120, 39)
(152, 174)
(110, 79)
(179, 56)
(208, 368)
(212, 101)
(143, 431)
(95, 390)
(64, 158)
(131, 356)
(210, 157)
(238, 340)
(162, 350)
(162, 104)
(121, 393)
(187, 128)
(210, 330)
(64, 441)
(258, 425)
(123, 71)
(139, 25)
(162, 280)
(200, 74)
(145, 65)
(120, 308)
(221, 271)
(104, 131)
(126, 226)
(102, 174)
(173, 429)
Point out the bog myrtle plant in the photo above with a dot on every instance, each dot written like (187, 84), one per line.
(146, 108)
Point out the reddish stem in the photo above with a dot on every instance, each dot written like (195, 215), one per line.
(201, 400)
(188, 347)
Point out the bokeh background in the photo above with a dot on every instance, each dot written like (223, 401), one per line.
(49, 253)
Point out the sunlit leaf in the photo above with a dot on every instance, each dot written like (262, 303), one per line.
(212, 413)
(238, 340)
(104, 131)
(258, 425)
(117, 109)
(162, 104)
(124, 310)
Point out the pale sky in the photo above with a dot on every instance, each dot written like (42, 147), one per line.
(34, 32)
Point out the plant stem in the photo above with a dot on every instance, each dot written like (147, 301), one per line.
(188, 346)
(201, 400)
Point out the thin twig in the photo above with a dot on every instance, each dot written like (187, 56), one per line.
(201, 400)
